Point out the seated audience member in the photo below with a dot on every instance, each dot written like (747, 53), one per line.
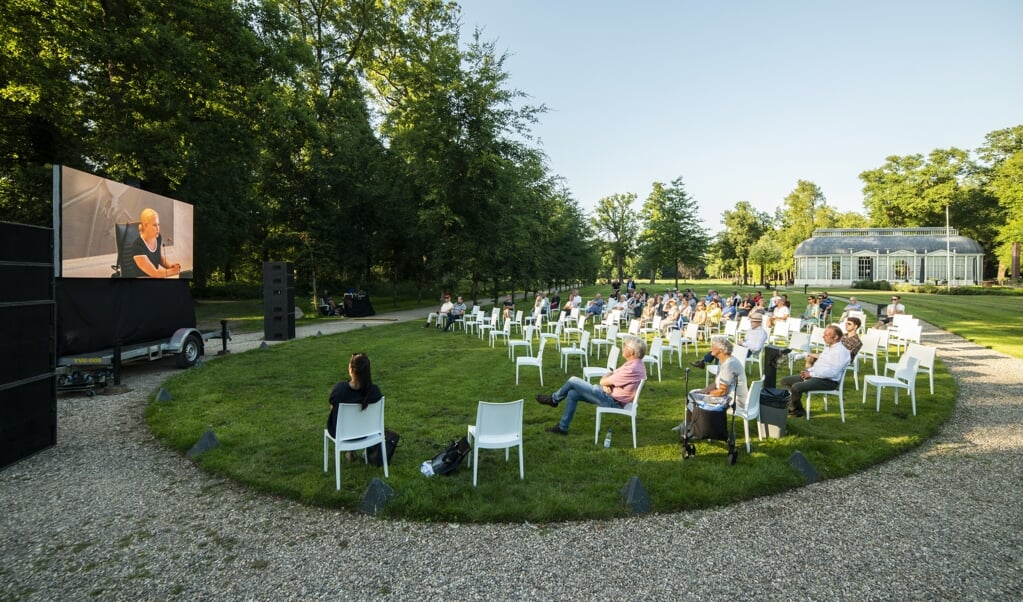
(824, 375)
(813, 310)
(596, 306)
(826, 303)
(852, 306)
(615, 390)
(730, 311)
(754, 339)
(851, 340)
(649, 311)
(359, 388)
(730, 374)
(894, 308)
(327, 307)
(555, 304)
(714, 313)
(445, 309)
(508, 307)
(457, 313)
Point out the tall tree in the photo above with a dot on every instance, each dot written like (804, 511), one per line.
(673, 234)
(617, 225)
(804, 210)
(1002, 173)
(744, 226)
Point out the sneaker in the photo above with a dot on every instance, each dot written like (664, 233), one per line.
(556, 430)
(698, 364)
(546, 400)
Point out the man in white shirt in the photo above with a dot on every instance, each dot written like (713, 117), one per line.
(825, 374)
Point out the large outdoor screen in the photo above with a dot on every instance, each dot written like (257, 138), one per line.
(113, 230)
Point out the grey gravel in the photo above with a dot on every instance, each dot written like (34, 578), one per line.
(109, 513)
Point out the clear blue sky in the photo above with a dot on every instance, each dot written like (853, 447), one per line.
(744, 98)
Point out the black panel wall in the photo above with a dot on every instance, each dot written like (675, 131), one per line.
(278, 301)
(28, 390)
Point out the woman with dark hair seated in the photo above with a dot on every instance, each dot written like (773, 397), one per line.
(358, 389)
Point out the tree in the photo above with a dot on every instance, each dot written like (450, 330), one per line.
(617, 225)
(744, 225)
(914, 191)
(673, 234)
(766, 253)
(804, 210)
(1003, 179)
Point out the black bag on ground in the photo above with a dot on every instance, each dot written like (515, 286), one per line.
(708, 424)
(776, 398)
(449, 460)
(373, 452)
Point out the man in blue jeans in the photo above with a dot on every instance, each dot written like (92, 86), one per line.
(616, 389)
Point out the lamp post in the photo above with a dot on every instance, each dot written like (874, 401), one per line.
(948, 252)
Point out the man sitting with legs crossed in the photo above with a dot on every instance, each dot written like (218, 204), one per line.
(616, 389)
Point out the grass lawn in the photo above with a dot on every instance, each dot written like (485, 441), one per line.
(268, 408)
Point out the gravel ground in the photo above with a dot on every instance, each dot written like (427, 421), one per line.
(109, 513)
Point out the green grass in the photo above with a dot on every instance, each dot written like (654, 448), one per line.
(268, 408)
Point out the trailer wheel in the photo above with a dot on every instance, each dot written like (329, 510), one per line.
(190, 351)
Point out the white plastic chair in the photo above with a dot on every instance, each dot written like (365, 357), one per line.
(535, 362)
(355, 429)
(609, 340)
(825, 394)
(517, 320)
(758, 359)
(526, 341)
(633, 329)
(486, 324)
(925, 356)
(817, 342)
(627, 410)
(504, 332)
(576, 331)
(471, 319)
(800, 346)
(883, 341)
(751, 410)
(905, 378)
(868, 351)
(731, 330)
(691, 336)
(591, 372)
(654, 354)
(908, 333)
(674, 346)
(581, 351)
(498, 426)
(780, 333)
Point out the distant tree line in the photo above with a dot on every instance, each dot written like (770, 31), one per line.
(370, 144)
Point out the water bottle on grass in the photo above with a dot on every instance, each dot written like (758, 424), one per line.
(607, 439)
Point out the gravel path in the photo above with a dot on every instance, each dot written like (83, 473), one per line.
(110, 514)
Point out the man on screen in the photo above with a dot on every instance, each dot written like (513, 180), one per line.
(148, 258)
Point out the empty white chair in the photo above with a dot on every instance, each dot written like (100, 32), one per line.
(817, 339)
(750, 410)
(356, 428)
(868, 351)
(800, 346)
(691, 336)
(535, 362)
(516, 320)
(654, 354)
(780, 333)
(825, 394)
(580, 351)
(591, 372)
(674, 346)
(758, 359)
(504, 332)
(498, 426)
(905, 378)
(731, 330)
(526, 341)
(487, 324)
(925, 356)
(626, 410)
(883, 341)
(554, 336)
(575, 331)
(908, 333)
(609, 340)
